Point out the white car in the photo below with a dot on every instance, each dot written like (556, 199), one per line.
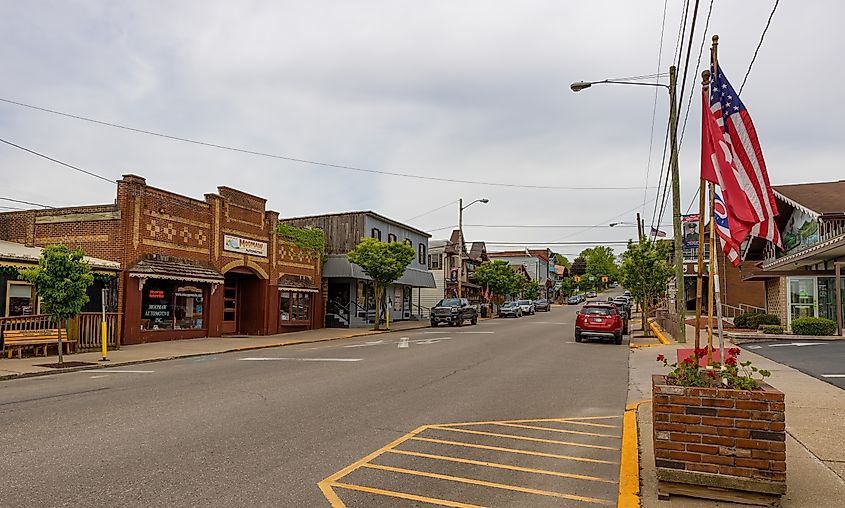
(527, 306)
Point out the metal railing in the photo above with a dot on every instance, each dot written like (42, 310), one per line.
(731, 311)
(85, 329)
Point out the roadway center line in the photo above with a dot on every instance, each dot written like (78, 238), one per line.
(262, 359)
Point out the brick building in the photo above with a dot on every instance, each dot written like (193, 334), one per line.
(188, 268)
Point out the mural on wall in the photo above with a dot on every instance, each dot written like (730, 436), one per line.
(801, 232)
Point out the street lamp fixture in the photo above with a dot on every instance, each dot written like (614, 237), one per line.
(680, 298)
(461, 208)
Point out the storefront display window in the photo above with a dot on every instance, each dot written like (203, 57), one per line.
(167, 305)
(20, 299)
(827, 297)
(294, 306)
(802, 297)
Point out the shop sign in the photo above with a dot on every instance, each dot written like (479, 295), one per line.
(690, 224)
(156, 293)
(244, 246)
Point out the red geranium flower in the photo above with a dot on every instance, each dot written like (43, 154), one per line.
(711, 373)
(689, 360)
(730, 361)
(661, 358)
(734, 351)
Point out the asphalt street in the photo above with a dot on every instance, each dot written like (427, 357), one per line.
(822, 360)
(511, 412)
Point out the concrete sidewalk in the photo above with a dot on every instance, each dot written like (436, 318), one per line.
(815, 424)
(167, 350)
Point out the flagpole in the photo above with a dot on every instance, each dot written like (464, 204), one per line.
(711, 291)
(714, 268)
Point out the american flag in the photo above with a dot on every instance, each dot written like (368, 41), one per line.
(728, 244)
(657, 233)
(740, 135)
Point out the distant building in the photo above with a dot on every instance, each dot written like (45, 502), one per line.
(350, 297)
(538, 264)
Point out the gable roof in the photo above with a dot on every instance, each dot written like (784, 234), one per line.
(820, 197)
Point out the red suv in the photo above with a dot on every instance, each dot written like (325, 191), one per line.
(601, 320)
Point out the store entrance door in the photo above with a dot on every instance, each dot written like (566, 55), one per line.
(230, 304)
(244, 298)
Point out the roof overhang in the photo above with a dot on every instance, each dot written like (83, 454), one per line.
(168, 268)
(339, 267)
(824, 251)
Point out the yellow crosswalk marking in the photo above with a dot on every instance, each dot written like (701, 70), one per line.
(404, 495)
(565, 431)
(511, 450)
(501, 466)
(472, 481)
(524, 438)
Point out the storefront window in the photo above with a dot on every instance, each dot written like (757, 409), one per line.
(20, 300)
(827, 297)
(165, 305)
(294, 306)
(802, 297)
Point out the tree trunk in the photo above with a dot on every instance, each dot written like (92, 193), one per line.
(376, 295)
(61, 360)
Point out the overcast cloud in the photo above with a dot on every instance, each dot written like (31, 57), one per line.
(475, 90)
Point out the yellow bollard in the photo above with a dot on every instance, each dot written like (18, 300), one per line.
(104, 341)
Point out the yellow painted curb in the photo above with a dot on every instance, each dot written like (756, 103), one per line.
(629, 468)
(658, 332)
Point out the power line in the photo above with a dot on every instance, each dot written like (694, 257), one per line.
(26, 202)
(654, 106)
(692, 90)
(71, 166)
(431, 211)
(12, 208)
(766, 29)
(607, 221)
(550, 226)
(306, 161)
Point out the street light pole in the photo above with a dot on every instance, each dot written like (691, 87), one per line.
(461, 239)
(680, 297)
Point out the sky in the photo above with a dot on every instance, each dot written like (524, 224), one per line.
(467, 90)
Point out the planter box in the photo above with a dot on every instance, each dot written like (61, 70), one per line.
(720, 439)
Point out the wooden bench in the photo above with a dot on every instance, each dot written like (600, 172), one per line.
(18, 339)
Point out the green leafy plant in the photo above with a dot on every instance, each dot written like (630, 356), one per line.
(500, 278)
(383, 263)
(813, 326)
(776, 329)
(310, 239)
(61, 280)
(733, 374)
(645, 272)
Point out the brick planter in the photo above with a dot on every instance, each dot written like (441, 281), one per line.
(717, 439)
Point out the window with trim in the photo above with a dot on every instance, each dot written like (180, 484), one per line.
(375, 233)
(409, 243)
(20, 299)
(434, 262)
(421, 254)
(294, 306)
(170, 305)
(391, 238)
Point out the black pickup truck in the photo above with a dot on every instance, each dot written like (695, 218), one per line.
(453, 311)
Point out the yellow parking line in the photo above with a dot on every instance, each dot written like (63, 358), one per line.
(539, 420)
(405, 495)
(501, 466)
(629, 467)
(510, 450)
(472, 481)
(524, 438)
(565, 431)
(326, 485)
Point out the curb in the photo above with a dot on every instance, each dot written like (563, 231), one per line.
(658, 332)
(7, 377)
(629, 466)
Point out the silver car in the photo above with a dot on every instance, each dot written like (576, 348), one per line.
(527, 306)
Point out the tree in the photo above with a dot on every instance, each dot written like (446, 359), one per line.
(383, 262)
(567, 286)
(61, 280)
(601, 262)
(530, 289)
(560, 259)
(500, 278)
(645, 272)
(579, 266)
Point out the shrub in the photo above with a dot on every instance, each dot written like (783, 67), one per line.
(813, 326)
(753, 320)
(772, 329)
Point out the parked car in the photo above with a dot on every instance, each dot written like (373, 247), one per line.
(527, 306)
(624, 311)
(599, 320)
(542, 305)
(510, 309)
(453, 311)
(573, 300)
(627, 293)
(591, 294)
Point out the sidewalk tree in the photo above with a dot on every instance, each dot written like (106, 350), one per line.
(530, 289)
(500, 278)
(579, 266)
(560, 259)
(61, 280)
(645, 272)
(601, 262)
(383, 262)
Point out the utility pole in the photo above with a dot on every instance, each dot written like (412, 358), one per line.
(460, 243)
(680, 296)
